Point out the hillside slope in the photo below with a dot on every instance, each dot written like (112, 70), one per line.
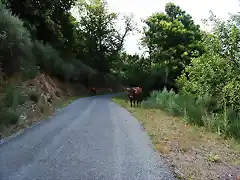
(30, 101)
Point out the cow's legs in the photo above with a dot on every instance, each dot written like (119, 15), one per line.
(139, 102)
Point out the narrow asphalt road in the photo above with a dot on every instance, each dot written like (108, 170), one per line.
(91, 139)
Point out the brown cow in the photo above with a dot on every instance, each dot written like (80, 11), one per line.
(138, 95)
(93, 91)
(135, 95)
(131, 96)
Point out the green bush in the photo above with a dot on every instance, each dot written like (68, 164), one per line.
(150, 104)
(9, 96)
(49, 59)
(194, 111)
(34, 96)
(13, 96)
(46, 56)
(20, 53)
(213, 79)
(22, 99)
(8, 116)
(15, 44)
(1, 74)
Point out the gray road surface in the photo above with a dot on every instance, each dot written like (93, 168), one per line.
(91, 139)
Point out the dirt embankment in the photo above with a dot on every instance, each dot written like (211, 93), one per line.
(38, 98)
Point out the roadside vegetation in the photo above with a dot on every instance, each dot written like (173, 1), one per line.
(48, 56)
(194, 152)
(190, 72)
(192, 79)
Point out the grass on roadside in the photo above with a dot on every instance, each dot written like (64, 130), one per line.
(194, 152)
(45, 111)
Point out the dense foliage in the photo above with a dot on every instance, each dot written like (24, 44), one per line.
(43, 36)
(44, 33)
(201, 67)
(209, 82)
(171, 39)
(102, 40)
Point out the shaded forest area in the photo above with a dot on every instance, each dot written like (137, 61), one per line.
(201, 68)
(44, 50)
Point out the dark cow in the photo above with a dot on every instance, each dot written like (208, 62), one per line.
(93, 91)
(138, 92)
(131, 96)
(134, 95)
